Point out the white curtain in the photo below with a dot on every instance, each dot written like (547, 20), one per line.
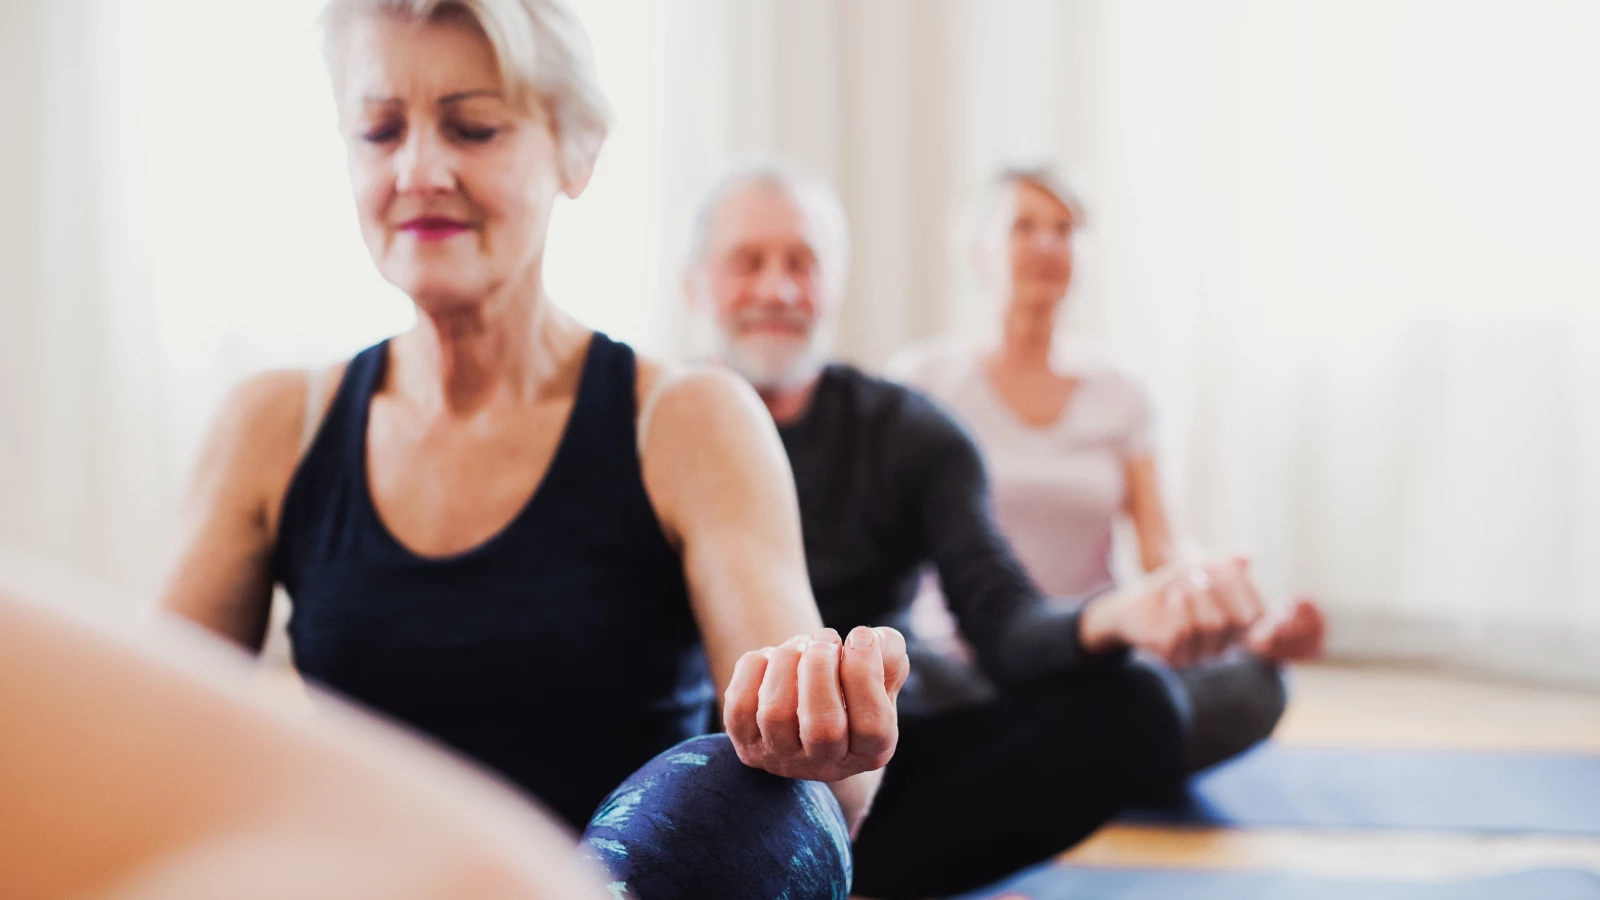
(83, 460)
(1350, 245)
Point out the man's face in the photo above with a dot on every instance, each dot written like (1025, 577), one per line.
(761, 285)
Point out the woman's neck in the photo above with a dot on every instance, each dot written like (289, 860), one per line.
(1026, 333)
(511, 345)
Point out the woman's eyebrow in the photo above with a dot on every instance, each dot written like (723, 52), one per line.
(467, 95)
(457, 97)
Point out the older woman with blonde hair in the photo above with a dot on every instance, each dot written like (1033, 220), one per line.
(512, 534)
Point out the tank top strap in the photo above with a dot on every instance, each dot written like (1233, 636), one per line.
(602, 425)
(353, 403)
(323, 476)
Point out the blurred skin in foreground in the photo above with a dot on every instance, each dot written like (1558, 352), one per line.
(137, 771)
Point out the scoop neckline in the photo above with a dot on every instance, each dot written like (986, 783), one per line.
(993, 396)
(501, 534)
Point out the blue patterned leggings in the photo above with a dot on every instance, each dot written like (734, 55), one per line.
(695, 822)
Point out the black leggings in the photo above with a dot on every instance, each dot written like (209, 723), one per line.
(977, 793)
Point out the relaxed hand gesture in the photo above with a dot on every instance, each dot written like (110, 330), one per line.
(817, 707)
(1184, 613)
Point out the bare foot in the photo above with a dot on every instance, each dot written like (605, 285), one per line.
(1295, 635)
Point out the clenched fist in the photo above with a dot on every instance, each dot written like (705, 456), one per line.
(816, 707)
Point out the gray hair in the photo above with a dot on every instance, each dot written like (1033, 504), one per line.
(1043, 177)
(814, 196)
(540, 47)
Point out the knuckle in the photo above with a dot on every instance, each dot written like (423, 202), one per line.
(874, 728)
(828, 729)
(776, 717)
(873, 754)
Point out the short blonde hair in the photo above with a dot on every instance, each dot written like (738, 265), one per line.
(1043, 177)
(540, 48)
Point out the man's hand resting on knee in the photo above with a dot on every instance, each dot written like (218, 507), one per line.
(817, 707)
(1184, 613)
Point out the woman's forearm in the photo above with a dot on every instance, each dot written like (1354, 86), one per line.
(1155, 553)
(1149, 514)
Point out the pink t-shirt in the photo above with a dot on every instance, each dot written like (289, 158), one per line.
(1058, 488)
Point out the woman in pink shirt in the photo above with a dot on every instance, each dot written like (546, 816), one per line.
(1066, 437)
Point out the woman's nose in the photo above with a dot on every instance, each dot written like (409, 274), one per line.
(424, 164)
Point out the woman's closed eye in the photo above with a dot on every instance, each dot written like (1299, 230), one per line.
(460, 132)
(473, 134)
(384, 133)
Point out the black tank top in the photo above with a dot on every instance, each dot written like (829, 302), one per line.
(560, 652)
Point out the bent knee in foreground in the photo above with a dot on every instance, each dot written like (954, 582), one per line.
(697, 822)
(1236, 702)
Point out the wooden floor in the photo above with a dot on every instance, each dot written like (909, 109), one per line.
(1371, 707)
(1376, 707)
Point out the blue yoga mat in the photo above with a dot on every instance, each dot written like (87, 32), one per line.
(1400, 789)
(1064, 883)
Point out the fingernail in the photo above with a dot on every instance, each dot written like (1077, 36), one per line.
(827, 634)
(862, 637)
(768, 651)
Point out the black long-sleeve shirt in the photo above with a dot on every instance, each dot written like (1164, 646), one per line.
(889, 483)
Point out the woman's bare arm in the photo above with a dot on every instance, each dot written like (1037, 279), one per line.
(822, 708)
(1144, 506)
(221, 579)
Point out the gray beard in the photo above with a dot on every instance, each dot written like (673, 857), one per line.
(767, 375)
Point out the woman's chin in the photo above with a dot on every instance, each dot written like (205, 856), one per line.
(440, 291)
(1037, 297)
(434, 300)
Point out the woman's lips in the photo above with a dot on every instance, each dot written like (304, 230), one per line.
(429, 228)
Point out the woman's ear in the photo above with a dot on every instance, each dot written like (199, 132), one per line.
(577, 162)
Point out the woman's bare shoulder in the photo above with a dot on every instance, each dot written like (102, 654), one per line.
(262, 428)
(693, 396)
